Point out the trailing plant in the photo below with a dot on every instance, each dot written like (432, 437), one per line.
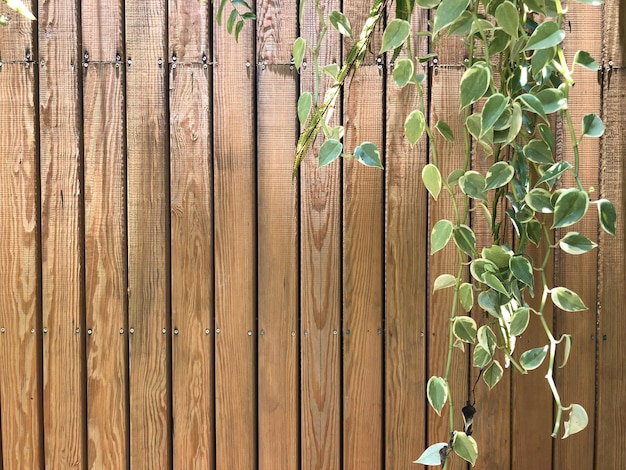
(513, 92)
(19, 7)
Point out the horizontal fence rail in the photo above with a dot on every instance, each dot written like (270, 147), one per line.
(170, 297)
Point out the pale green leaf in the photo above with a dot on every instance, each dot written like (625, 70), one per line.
(444, 281)
(414, 126)
(584, 58)
(328, 152)
(538, 199)
(305, 102)
(465, 329)
(395, 34)
(487, 339)
(447, 12)
(492, 110)
(472, 184)
(465, 447)
(552, 100)
(499, 175)
(532, 359)
(570, 207)
(522, 270)
(552, 174)
(403, 72)
(19, 7)
(607, 216)
(492, 281)
(576, 243)
(340, 23)
(444, 129)
(592, 125)
(538, 151)
(465, 239)
(299, 48)
(493, 374)
(497, 254)
(432, 180)
(474, 83)
(567, 300)
(440, 235)
(507, 17)
(466, 296)
(332, 70)
(567, 349)
(367, 154)
(437, 393)
(432, 455)
(547, 34)
(480, 357)
(578, 420)
(519, 321)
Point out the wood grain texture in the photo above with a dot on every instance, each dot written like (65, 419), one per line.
(363, 276)
(277, 202)
(445, 106)
(320, 284)
(406, 226)
(531, 399)
(148, 238)
(191, 176)
(576, 381)
(62, 243)
(235, 249)
(105, 236)
(20, 387)
(611, 414)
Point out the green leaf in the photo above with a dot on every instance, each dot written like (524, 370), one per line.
(592, 125)
(466, 296)
(432, 455)
(340, 23)
(497, 255)
(465, 239)
(332, 70)
(567, 349)
(396, 33)
(447, 12)
(437, 393)
(533, 358)
(546, 35)
(328, 152)
(474, 83)
(230, 22)
(492, 110)
(607, 216)
(432, 180)
(552, 100)
(414, 126)
(538, 199)
(480, 357)
(534, 231)
(427, 4)
(444, 281)
(455, 175)
(578, 420)
(538, 151)
(584, 58)
(516, 123)
(540, 60)
(567, 300)
(444, 130)
(367, 154)
(576, 243)
(536, 5)
(519, 321)
(19, 7)
(305, 102)
(522, 270)
(507, 17)
(472, 184)
(532, 104)
(480, 266)
(492, 281)
(403, 72)
(493, 374)
(546, 135)
(553, 173)
(487, 339)
(299, 48)
(499, 175)
(440, 235)
(570, 207)
(238, 28)
(465, 447)
(465, 329)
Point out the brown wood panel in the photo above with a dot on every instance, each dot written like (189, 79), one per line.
(363, 276)
(278, 268)
(62, 241)
(191, 200)
(105, 236)
(405, 277)
(611, 410)
(235, 248)
(20, 387)
(320, 280)
(148, 238)
(531, 399)
(277, 202)
(451, 155)
(576, 382)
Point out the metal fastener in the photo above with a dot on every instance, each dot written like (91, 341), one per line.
(249, 332)
(347, 332)
(132, 331)
(207, 331)
(2, 330)
(217, 331)
(163, 331)
(32, 331)
(262, 332)
(77, 330)
(293, 333)
(334, 332)
(45, 329)
(175, 331)
(89, 331)
(121, 331)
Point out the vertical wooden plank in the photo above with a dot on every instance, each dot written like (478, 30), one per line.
(405, 277)
(147, 187)
(611, 376)
(235, 248)
(105, 235)
(62, 245)
(363, 273)
(451, 155)
(576, 382)
(191, 176)
(320, 280)
(20, 387)
(277, 203)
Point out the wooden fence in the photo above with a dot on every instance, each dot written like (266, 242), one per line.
(171, 298)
